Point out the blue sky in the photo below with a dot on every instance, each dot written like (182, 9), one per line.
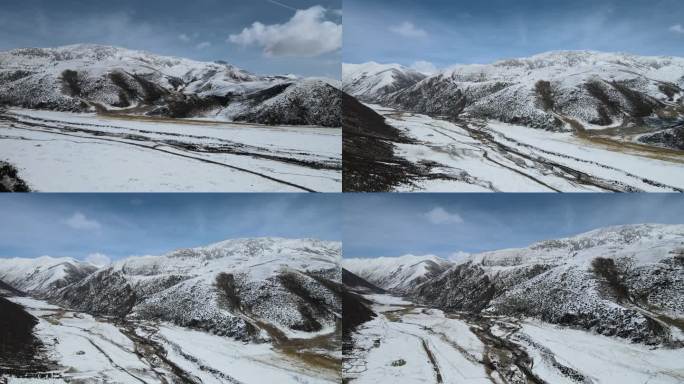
(447, 32)
(445, 224)
(197, 29)
(119, 225)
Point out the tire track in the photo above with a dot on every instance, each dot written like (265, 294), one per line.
(111, 361)
(431, 357)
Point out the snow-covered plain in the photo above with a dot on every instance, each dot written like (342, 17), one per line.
(61, 151)
(478, 156)
(412, 344)
(100, 350)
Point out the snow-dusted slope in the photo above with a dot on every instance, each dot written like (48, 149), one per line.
(309, 102)
(43, 275)
(88, 77)
(625, 281)
(371, 80)
(397, 274)
(560, 90)
(231, 288)
(245, 288)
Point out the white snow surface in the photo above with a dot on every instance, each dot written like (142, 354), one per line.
(88, 152)
(92, 349)
(383, 341)
(604, 359)
(246, 363)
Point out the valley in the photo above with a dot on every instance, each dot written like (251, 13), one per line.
(87, 349)
(411, 343)
(559, 121)
(96, 118)
(237, 312)
(599, 307)
(478, 156)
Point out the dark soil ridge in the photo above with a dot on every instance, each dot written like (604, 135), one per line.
(22, 354)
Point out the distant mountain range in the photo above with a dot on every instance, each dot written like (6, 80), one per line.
(561, 91)
(398, 274)
(625, 281)
(116, 80)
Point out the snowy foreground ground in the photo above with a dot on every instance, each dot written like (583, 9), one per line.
(475, 156)
(409, 344)
(59, 151)
(93, 350)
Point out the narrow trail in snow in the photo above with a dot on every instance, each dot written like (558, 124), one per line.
(151, 351)
(111, 361)
(573, 175)
(485, 155)
(431, 357)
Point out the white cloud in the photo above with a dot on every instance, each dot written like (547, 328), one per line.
(306, 34)
(458, 256)
(407, 29)
(439, 215)
(80, 221)
(98, 259)
(202, 45)
(677, 28)
(183, 37)
(424, 67)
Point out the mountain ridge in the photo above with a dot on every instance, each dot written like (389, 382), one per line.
(614, 94)
(242, 288)
(91, 77)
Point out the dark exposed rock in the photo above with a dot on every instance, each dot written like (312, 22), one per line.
(10, 180)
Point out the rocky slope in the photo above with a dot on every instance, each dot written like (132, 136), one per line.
(251, 289)
(563, 90)
(93, 77)
(397, 274)
(624, 281)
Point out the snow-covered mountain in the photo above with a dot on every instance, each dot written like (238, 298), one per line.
(625, 281)
(243, 288)
(560, 90)
(43, 275)
(369, 81)
(397, 274)
(94, 77)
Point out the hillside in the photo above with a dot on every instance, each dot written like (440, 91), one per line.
(397, 274)
(623, 281)
(88, 77)
(560, 90)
